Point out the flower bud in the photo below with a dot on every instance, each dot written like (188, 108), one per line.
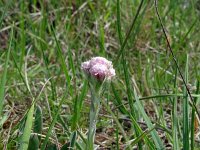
(99, 68)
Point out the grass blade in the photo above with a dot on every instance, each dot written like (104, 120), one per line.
(156, 138)
(142, 136)
(27, 130)
(4, 76)
(118, 101)
(186, 112)
(129, 32)
(175, 60)
(73, 140)
(38, 123)
(62, 62)
(33, 142)
(193, 120)
(123, 109)
(115, 119)
(175, 117)
(5, 8)
(78, 105)
(123, 44)
(53, 123)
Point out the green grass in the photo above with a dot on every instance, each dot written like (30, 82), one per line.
(44, 95)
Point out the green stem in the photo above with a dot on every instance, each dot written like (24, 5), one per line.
(193, 119)
(94, 110)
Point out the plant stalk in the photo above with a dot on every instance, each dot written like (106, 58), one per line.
(94, 110)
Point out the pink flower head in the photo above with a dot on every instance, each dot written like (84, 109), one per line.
(99, 68)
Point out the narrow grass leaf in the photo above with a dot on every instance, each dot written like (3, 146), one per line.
(122, 107)
(141, 137)
(117, 139)
(62, 62)
(38, 123)
(22, 42)
(186, 111)
(174, 58)
(43, 47)
(125, 66)
(129, 32)
(73, 140)
(27, 130)
(71, 63)
(175, 117)
(78, 105)
(194, 119)
(53, 122)
(4, 11)
(156, 138)
(101, 40)
(118, 101)
(4, 76)
(116, 120)
(123, 44)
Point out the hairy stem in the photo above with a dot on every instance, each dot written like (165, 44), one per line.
(94, 110)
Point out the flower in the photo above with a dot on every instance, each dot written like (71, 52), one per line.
(99, 68)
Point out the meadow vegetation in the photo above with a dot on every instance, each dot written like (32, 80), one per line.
(44, 94)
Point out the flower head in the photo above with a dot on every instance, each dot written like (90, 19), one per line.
(99, 68)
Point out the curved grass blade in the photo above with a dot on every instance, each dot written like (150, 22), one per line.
(156, 138)
(142, 136)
